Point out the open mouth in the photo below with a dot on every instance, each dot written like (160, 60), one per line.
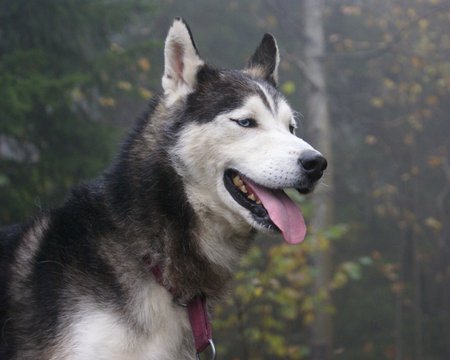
(244, 195)
(270, 208)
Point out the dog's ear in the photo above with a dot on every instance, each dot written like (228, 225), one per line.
(264, 62)
(181, 61)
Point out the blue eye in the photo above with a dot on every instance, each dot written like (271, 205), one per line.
(244, 123)
(248, 123)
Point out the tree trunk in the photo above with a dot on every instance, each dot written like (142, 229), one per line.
(320, 137)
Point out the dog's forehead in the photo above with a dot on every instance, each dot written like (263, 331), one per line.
(247, 85)
(229, 90)
(265, 95)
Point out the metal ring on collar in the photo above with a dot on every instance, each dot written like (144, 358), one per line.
(213, 351)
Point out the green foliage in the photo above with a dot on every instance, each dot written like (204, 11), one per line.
(51, 53)
(272, 304)
(268, 299)
(36, 109)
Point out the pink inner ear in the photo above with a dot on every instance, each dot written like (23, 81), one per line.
(177, 59)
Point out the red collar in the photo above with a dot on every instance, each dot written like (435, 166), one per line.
(198, 315)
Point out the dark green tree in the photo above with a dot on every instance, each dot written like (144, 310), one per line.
(53, 55)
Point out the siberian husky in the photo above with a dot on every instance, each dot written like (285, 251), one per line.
(201, 172)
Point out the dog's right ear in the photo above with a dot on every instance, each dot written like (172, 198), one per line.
(181, 62)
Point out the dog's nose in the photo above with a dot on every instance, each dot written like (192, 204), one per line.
(313, 164)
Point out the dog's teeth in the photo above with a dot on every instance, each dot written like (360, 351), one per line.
(243, 189)
(252, 197)
(237, 181)
(258, 202)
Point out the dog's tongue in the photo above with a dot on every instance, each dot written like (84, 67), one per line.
(282, 211)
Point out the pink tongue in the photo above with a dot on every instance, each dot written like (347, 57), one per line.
(282, 211)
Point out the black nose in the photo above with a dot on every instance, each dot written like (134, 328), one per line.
(313, 164)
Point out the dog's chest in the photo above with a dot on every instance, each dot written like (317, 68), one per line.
(101, 334)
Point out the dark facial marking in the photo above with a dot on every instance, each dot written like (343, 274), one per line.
(264, 100)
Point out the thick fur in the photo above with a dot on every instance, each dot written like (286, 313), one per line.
(75, 281)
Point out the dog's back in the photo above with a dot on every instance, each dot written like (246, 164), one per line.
(72, 286)
(41, 263)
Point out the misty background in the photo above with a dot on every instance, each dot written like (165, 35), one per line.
(372, 279)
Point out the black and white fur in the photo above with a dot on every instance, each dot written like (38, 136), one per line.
(74, 281)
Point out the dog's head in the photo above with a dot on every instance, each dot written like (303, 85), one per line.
(236, 147)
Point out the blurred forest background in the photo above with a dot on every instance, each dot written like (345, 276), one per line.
(74, 74)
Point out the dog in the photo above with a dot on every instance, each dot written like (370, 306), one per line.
(203, 170)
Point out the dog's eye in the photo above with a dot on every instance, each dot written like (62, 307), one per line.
(248, 123)
(292, 129)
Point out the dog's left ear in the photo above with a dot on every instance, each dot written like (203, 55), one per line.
(181, 61)
(264, 62)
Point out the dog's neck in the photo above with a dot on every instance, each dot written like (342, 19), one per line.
(206, 261)
(203, 259)
(195, 247)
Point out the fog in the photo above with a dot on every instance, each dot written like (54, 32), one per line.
(372, 279)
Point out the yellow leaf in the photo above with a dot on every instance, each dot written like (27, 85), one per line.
(370, 140)
(416, 89)
(288, 87)
(144, 64)
(323, 243)
(376, 255)
(377, 102)
(107, 101)
(258, 291)
(145, 93)
(397, 287)
(387, 38)
(377, 193)
(415, 170)
(115, 48)
(388, 83)
(308, 318)
(77, 94)
(348, 43)
(124, 85)
(433, 223)
(432, 100)
(351, 10)
(423, 24)
(434, 161)
(417, 62)
(339, 280)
